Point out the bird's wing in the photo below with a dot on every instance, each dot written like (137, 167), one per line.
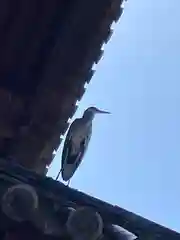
(84, 147)
(72, 161)
(67, 143)
(86, 141)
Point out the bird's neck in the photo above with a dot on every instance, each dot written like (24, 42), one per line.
(88, 117)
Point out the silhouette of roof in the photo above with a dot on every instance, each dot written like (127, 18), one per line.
(47, 51)
(54, 203)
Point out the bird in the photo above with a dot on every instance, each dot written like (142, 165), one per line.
(76, 143)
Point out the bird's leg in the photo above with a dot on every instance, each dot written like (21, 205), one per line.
(58, 174)
(68, 183)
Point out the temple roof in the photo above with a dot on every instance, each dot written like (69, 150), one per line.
(49, 204)
(47, 51)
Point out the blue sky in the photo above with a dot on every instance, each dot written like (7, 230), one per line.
(134, 155)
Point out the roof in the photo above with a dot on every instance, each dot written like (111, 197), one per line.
(47, 50)
(53, 202)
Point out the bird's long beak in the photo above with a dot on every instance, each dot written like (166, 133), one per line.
(101, 111)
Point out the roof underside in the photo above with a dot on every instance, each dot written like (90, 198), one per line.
(47, 52)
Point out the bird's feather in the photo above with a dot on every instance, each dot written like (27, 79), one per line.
(72, 159)
(68, 142)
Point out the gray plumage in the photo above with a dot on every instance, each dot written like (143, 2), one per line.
(76, 143)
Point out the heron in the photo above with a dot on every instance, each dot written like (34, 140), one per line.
(76, 143)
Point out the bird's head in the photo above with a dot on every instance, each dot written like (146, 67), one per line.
(92, 111)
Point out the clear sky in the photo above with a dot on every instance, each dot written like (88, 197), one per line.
(134, 155)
